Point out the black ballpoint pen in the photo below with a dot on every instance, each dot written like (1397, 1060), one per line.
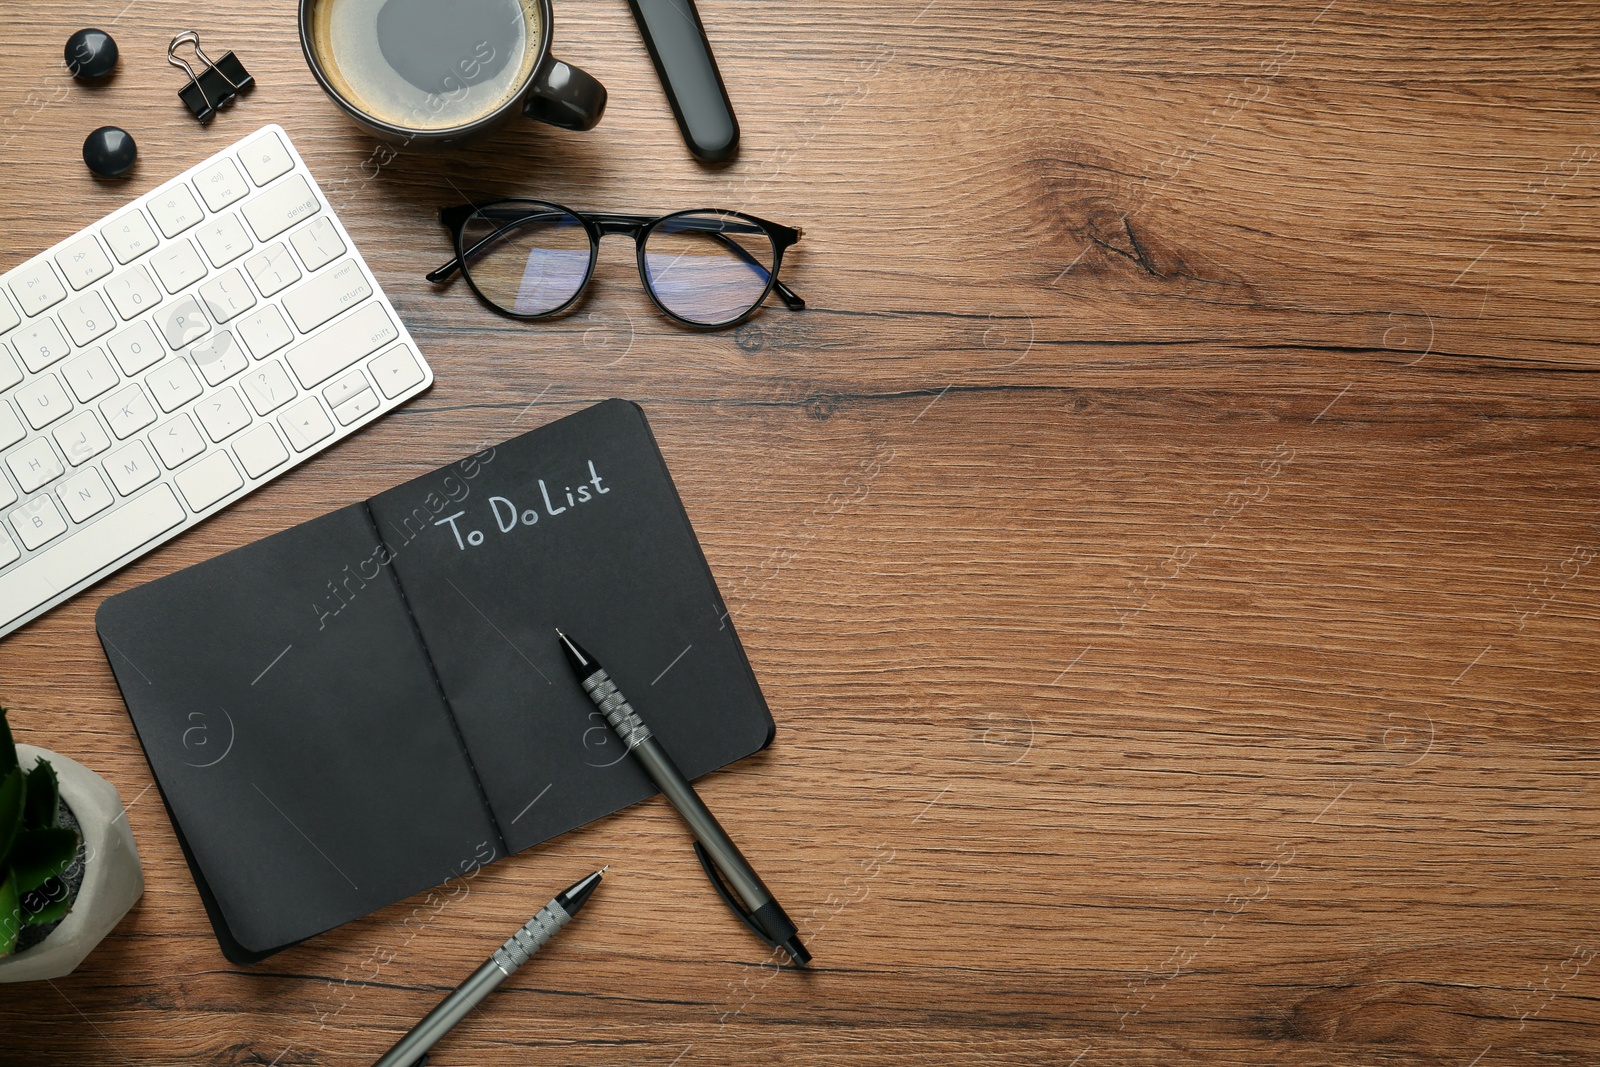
(412, 1050)
(715, 848)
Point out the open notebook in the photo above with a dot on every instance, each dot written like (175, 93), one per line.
(362, 706)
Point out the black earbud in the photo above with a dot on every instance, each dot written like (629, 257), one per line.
(91, 54)
(109, 151)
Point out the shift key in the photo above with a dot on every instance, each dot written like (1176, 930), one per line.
(314, 302)
(342, 344)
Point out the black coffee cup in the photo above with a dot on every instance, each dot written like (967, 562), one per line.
(442, 71)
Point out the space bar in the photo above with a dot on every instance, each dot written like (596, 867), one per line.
(87, 552)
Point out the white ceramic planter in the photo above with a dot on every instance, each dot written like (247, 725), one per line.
(112, 879)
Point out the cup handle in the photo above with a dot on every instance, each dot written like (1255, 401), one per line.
(565, 96)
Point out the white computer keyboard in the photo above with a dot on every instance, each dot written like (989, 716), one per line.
(165, 361)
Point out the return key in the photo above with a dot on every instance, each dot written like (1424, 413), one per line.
(314, 302)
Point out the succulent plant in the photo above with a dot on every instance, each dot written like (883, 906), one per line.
(35, 850)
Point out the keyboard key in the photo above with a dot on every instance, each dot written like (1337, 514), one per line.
(43, 401)
(264, 332)
(38, 522)
(87, 552)
(129, 236)
(89, 374)
(259, 450)
(11, 430)
(183, 323)
(9, 374)
(8, 496)
(136, 348)
(314, 302)
(268, 388)
(84, 495)
(272, 269)
(131, 467)
(396, 371)
(178, 266)
(363, 403)
(219, 358)
(128, 412)
(40, 344)
(345, 388)
(318, 244)
(222, 414)
(133, 291)
(209, 481)
(173, 384)
(9, 552)
(272, 212)
(87, 318)
(81, 438)
(224, 240)
(305, 424)
(177, 440)
(8, 314)
(36, 287)
(175, 210)
(83, 262)
(34, 464)
(220, 184)
(228, 295)
(331, 351)
(265, 158)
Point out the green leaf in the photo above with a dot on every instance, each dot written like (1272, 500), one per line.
(47, 904)
(12, 790)
(10, 916)
(44, 797)
(8, 748)
(40, 855)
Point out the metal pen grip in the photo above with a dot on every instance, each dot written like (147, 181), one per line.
(533, 936)
(615, 707)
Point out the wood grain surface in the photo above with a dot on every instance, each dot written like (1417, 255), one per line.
(1167, 542)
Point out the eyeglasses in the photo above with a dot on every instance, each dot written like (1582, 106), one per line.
(530, 259)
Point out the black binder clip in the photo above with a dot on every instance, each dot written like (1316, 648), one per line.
(213, 87)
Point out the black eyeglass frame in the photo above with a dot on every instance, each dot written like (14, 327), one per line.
(600, 224)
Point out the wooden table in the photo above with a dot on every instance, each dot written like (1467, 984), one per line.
(1168, 541)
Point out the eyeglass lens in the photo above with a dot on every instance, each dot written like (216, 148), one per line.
(528, 261)
(710, 267)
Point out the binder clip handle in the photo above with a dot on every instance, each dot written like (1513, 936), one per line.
(220, 81)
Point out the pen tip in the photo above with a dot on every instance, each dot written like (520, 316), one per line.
(581, 664)
(573, 897)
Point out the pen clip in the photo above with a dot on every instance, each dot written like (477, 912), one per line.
(727, 897)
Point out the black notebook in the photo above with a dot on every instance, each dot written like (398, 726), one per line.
(361, 707)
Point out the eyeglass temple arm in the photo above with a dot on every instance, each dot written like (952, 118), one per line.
(444, 272)
(791, 299)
